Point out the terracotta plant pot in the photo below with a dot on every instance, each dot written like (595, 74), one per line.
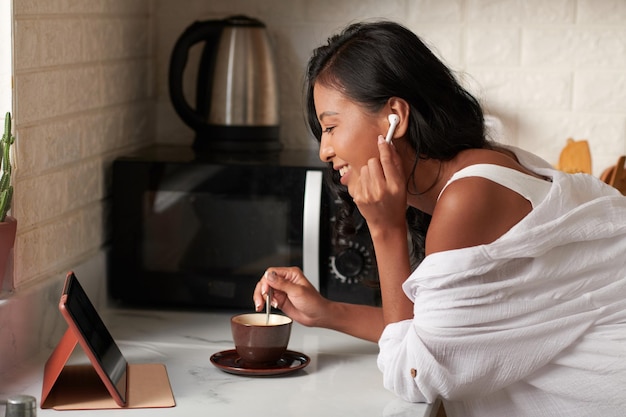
(8, 229)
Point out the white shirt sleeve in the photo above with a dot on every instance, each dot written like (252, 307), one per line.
(395, 347)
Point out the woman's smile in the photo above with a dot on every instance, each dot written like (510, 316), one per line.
(349, 132)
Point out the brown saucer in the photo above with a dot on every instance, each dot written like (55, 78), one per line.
(229, 361)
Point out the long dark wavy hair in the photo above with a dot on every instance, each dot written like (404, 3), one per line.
(372, 62)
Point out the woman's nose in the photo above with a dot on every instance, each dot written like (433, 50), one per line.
(326, 151)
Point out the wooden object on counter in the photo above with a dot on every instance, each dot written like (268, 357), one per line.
(575, 157)
(616, 175)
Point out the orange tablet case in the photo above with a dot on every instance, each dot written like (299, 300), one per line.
(82, 387)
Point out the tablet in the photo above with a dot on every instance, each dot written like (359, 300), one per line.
(94, 338)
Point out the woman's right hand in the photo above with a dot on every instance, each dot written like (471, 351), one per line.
(293, 294)
(381, 191)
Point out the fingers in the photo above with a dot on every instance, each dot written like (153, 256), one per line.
(384, 149)
(281, 280)
(259, 296)
(380, 192)
(377, 175)
(388, 156)
(371, 184)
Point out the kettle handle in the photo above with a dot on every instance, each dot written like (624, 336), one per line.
(208, 31)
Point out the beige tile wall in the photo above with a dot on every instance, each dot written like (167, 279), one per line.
(88, 74)
(548, 69)
(83, 74)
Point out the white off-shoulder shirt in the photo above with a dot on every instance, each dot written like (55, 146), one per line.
(533, 324)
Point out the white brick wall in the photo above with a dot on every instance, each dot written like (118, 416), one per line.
(548, 69)
(83, 94)
(88, 73)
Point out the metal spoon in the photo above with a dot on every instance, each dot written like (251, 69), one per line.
(268, 306)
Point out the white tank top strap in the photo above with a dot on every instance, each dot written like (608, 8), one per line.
(531, 188)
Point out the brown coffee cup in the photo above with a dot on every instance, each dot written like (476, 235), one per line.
(257, 343)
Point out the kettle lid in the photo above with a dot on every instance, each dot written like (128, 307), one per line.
(242, 20)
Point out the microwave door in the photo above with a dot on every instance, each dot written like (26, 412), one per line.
(184, 180)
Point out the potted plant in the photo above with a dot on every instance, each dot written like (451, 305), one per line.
(8, 224)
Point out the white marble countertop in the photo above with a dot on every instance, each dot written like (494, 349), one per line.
(342, 378)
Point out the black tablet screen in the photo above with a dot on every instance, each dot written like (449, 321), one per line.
(96, 334)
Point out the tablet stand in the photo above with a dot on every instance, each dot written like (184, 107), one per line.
(79, 387)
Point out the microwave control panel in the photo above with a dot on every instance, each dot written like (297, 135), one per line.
(352, 275)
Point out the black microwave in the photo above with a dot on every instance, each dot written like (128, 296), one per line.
(197, 231)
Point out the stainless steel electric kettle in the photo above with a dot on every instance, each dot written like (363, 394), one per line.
(237, 106)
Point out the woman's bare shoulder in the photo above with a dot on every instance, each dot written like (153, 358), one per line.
(473, 211)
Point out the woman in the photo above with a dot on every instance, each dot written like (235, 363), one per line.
(510, 297)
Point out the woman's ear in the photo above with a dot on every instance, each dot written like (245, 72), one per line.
(400, 107)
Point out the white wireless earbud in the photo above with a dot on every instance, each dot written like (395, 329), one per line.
(393, 122)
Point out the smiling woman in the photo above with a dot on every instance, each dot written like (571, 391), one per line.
(510, 293)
